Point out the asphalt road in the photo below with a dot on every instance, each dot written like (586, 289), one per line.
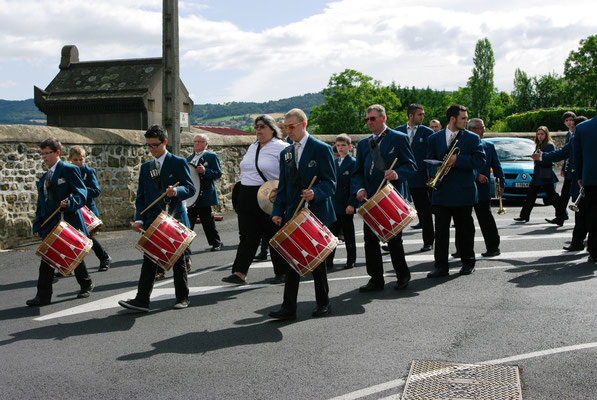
(533, 306)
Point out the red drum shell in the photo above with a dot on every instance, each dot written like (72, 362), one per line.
(304, 242)
(92, 222)
(64, 248)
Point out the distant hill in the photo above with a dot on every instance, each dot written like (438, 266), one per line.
(20, 112)
(25, 111)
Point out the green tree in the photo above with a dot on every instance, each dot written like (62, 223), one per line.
(522, 94)
(549, 91)
(481, 82)
(348, 95)
(580, 71)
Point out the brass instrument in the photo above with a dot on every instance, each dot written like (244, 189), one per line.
(444, 169)
(581, 194)
(501, 210)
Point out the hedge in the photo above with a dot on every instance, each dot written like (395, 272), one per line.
(530, 121)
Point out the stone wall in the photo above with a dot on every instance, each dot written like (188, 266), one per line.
(117, 156)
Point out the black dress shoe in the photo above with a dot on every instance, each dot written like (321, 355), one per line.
(283, 314)
(592, 259)
(105, 264)
(402, 284)
(417, 226)
(321, 311)
(455, 254)
(426, 247)
(237, 280)
(216, 247)
(370, 287)
(260, 257)
(491, 253)
(467, 270)
(349, 266)
(558, 222)
(37, 302)
(574, 247)
(276, 280)
(520, 219)
(385, 248)
(85, 293)
(437, 273)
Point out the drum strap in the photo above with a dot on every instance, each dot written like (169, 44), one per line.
(154, 173)
(377, 160)
(295, 178)
(257, 163)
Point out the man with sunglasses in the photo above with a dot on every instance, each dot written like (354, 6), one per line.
(375, 155)
(299, 163)
(61, 186)
(156, 177)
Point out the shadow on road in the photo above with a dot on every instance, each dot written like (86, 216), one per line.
(551, 271)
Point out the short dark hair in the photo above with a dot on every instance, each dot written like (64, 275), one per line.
(568, 114)
(157, 132)
(412, 109)
(579, 119)
(343, 138)
(271, 122)
(454, 110)
(52, 143)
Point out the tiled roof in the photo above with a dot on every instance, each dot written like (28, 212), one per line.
(223, 130)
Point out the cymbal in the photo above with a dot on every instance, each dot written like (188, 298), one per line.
(266, 195)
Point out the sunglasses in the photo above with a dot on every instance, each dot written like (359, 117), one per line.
(290, 127)
(372, 119)
(153, 145)
(260, 126)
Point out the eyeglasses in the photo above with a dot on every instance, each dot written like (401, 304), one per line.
(199, 141)
(372, 119)
(153, 145)
(260, 126)
(47, 153)
(290, 127)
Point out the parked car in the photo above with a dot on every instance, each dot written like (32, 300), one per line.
(514, 154)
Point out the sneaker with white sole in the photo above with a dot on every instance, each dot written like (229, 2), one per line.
(181, 304)
(134, 304)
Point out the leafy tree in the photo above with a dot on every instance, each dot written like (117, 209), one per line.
(435, 102)
(549, 91)
(481, 82)
(347, 96)
(580, 71)
(522, 94)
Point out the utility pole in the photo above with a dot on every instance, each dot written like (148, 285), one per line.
(171, 78)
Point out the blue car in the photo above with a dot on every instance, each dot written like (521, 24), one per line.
(517, 165)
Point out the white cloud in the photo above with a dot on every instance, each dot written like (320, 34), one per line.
(425, 44)
(8, 84)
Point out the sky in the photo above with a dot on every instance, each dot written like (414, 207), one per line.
(260, 50)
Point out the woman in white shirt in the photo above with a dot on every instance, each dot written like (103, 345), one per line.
(261, 163)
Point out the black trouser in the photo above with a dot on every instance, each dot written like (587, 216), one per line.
(465, 235)
(423, 206)
(591, 208)
(147, 278)
(98, 249)
(579, 233)
(320, 281)
(487, 224)
(264, 246)
(374, 260)
(529, 202)
(253, 225)
(46, 278)
(344, 223)
(561, 212)
(208, 223)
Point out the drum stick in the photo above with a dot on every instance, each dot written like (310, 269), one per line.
(384, 179)
(303, 200)
(158, 199)
(51, 216)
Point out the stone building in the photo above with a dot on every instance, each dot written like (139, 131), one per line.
(114, 94)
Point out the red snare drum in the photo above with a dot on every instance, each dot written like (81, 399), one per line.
(165, 240)
(304, 242)
(92, 222)
(387, 213)
(64, 248)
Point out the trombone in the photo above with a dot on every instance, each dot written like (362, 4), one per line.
(444, 169)
(501, 210)
(581, 194)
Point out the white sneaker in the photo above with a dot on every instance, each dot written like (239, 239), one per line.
(181, 304)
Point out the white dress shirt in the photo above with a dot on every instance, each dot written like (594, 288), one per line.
(269, 162)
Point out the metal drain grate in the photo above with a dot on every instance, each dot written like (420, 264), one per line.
(439, 380)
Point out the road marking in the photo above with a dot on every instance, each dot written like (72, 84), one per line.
(397, 383)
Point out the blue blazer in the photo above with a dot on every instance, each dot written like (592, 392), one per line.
(419, 147)
(458, 188)
(66, 183)
(393, 145)
(175, 169)
(563, 153)
(93, 190)
(317, 159)
(585, 151)
(208, 195)
(343, 196)
(492, 162)
(543, 171)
